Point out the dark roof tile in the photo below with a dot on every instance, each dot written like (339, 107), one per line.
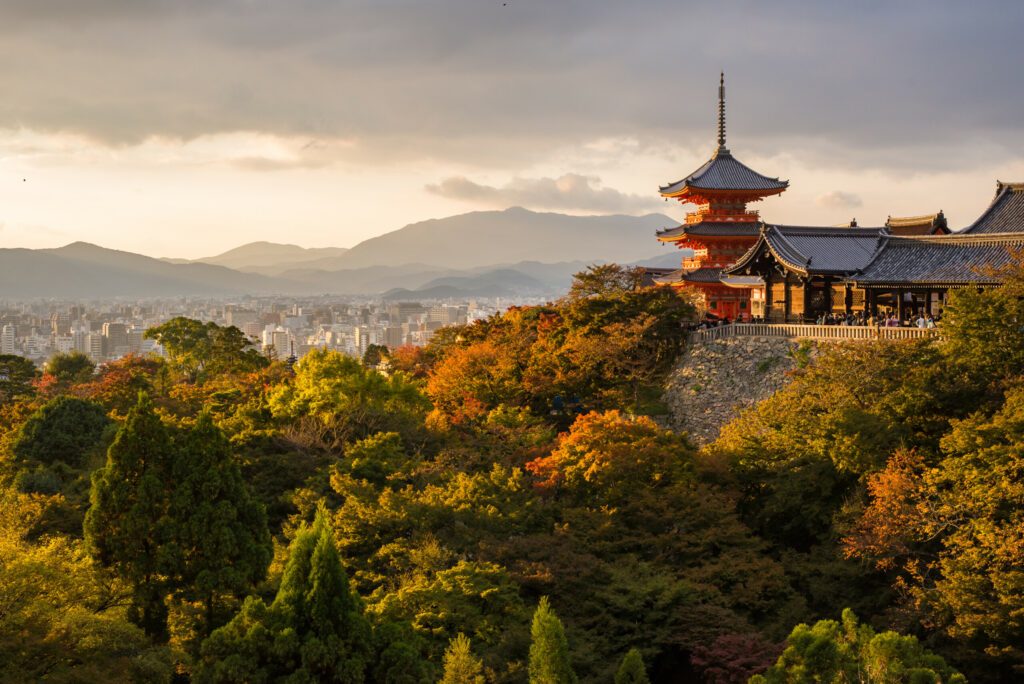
(955, 259)
(1004, 215)
(725, 172)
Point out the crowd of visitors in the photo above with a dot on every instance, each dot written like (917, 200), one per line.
(884, 319)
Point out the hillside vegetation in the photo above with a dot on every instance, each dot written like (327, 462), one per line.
(503, 506)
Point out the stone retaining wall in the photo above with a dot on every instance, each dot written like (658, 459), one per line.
(713, 381)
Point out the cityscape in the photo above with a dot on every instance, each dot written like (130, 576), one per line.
(279, 327)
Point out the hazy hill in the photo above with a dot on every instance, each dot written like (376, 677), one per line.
(270, 258)
(84, 270)
(489, 238)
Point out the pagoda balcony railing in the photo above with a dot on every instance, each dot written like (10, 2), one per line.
(813, 332)
(722, 216)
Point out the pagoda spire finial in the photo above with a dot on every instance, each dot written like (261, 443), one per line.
(721, 113)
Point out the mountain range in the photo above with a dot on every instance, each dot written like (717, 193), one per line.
(508, 253)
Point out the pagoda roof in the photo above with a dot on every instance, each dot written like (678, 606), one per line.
(940, 260)
(724, 172)
(814, 250)
(928, 224)
(738, 229)
(1005, 214)
(706, 275)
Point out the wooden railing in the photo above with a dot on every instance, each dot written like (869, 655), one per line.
(815, 332)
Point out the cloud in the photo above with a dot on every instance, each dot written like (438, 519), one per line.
(460, 79)
(837, 199)
(569, 192)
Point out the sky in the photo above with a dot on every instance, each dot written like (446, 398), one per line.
(184, 128)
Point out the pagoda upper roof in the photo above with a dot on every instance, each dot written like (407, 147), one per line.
(1005, 214)
(721, 173)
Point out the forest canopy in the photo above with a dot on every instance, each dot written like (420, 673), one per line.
(505, 505)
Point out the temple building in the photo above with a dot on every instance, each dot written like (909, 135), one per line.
(721, 229)
(746, 268)
(809, 271)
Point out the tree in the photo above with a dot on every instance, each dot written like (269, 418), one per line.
(16, 376)
(632, 670)
(314, 631)
(70, 368)
(549, 649)
(126, 525)
(64, 430)
(60, 615)
(951, 531)
(199, 350)
(333, 400)
(850, 652)
(374, 354)
(220, 532)
(604, 280)
(460, 665)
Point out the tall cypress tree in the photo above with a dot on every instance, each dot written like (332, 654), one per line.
(460, 665)
(632, 671)
(127, 526)
(220, 531)
(549, 649)
(314, 630)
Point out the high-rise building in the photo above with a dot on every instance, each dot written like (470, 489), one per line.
(8, 339)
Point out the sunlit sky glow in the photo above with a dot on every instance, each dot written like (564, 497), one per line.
(186, 127)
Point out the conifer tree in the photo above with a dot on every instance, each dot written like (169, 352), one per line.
(460, 665)
(314, 631)
(549, 649)
(126, 525)
(220, 531)
(632, 671)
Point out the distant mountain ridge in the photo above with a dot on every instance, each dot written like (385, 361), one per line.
(485, 254)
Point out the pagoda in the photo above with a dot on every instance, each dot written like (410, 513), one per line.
(721, 229)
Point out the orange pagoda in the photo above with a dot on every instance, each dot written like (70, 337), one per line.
(721, 230)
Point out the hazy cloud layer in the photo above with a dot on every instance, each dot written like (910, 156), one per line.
(465, 78)
(837, 199)
(569, 192)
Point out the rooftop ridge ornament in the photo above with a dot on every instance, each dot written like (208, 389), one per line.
(721, 114)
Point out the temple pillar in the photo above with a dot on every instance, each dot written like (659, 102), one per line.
(788, 301)
(808, 293)
(767, 296)
(848, 298)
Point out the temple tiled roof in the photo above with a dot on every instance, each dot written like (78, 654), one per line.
(810, 250)
(739, 229)
(941, 260)
(693, 275)
(1005, 214)
(929, 224)
(725, 172)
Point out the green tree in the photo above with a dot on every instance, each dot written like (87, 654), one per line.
(460, 665)
(16, 376)
(199, 350)
(127, 526)
(632, 670)
(851, 652)
(334, 400)
(71, 368)
(61, 618)
(220, 532)
(64, 430)
(549, 649)
(314, 631)
(374, 354)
